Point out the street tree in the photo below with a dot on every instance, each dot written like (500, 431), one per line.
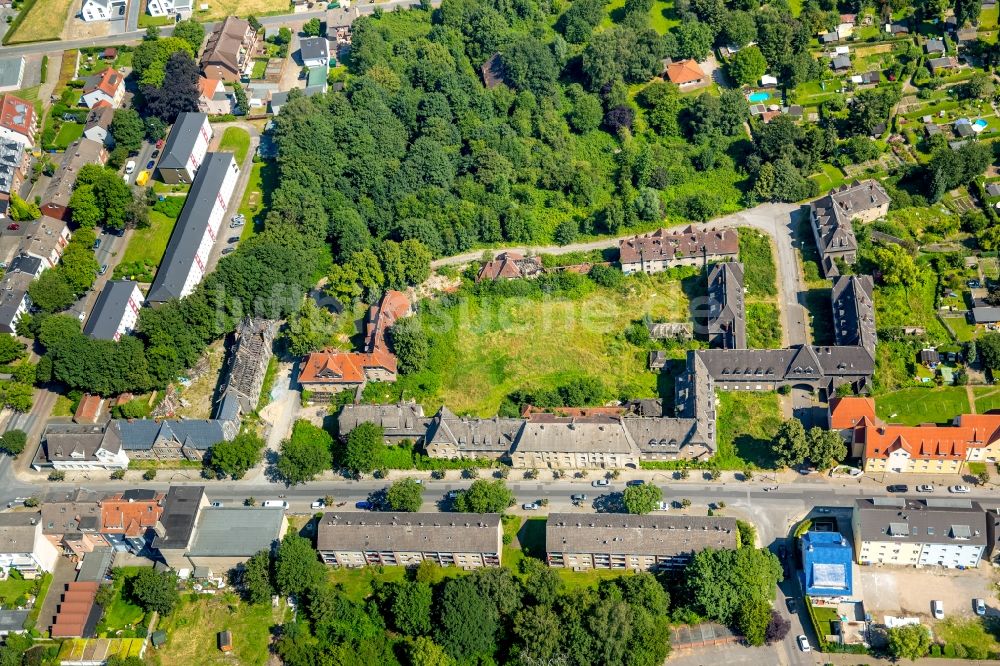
(237, 456)
(777, 628)
(312, 28)
(641, 499)
(13, 441)
(826, 447)
(405, 495)
(485, 497)
(128, 129)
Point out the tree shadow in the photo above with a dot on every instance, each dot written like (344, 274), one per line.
(531, 536)
(379, 499)
(613, 502)
(755, 450)
(271, 468)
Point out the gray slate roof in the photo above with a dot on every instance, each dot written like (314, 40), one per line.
(934, 46)
(78, 441)
(986, 315)
(854, 311)
(141, 434)
(662, 535)
(576, 437)
(833, 213)
(13, 289)
(496, 434)
(109, 309)
(24, 263)
(190, 228)
(71, 512)
(842, 62)
(399, 420)
(410, 532)
(181, 141)
(727, 314)
(941, 521)
(236, 531)
(314, 48)
(12, 621)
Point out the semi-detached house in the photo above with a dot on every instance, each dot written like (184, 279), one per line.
(185, 261)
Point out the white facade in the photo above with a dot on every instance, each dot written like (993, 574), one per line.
(169, 8)
(42, 557)
(96, 10)
(102, 460)
(218, 214)
(950, 556)
(131, 315)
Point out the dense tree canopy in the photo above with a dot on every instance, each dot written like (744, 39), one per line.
(306, 453)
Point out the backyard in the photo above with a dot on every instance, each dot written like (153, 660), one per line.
(121, 616)
(13, 589)
(67, 134)
(42, 21)
(146, 247)
(913, 406)
(193, 627)
(263, 178)
(485, 347)
(747, 424)
(236, 140)
(971, 633)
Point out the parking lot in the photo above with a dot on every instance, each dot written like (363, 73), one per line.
(909, 592)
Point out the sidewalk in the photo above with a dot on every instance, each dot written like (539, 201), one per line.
(854, 659)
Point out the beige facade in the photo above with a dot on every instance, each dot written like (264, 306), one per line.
(574, 459)
(888, 552)
(900, 462)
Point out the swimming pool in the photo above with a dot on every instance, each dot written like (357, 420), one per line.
(980, 123)
(758, 96)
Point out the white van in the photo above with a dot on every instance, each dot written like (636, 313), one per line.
(276, 504)
(130, 166)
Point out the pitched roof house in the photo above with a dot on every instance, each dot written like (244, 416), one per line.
(726, 312)
(185, 149)
(665, 249)
(686, 74)
(832, 217)
(510, 266)
(108, 86)
(22, 546)
(229, 50)
(18, 120)
(98, 125)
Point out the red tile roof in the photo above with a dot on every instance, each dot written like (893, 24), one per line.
(924, 442)
(17, 115)
(330, 367)
(662, 245)
(89, 409)
(509, 266)
(685, 71)
(131, 518)
(107, 82)
(845, 413)
(393, 306)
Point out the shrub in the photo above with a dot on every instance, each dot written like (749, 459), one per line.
(149, 475)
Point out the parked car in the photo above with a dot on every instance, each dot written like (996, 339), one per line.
(228, 250)
(980, 606)
(937, 610)
(600, 483)
(898, 488)
(578, 497)
(104, 269)
(792, 605)
(155, 154)
(159, 144)
(959, 489)
(217, 504)
(97, 242)
(529, 506)
(925, 488)
(13, 226)
(663, 506)
(451, 494)
(635, 482)
(318, 504)
(150, 164)
(363, 505)
(233, 239)
(275, 504)
(804, 643)
(130, 166)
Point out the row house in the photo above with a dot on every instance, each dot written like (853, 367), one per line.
(663, 249)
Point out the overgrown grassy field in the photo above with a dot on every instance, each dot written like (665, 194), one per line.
(236, 140)
(44, 21)
(969, 632)
(220, 9)
(913, 406)
(146, 247)
(763, 326)
(192, 629)
(758, 263)
(987, 399)
(256, 197)
(747, 423)
(484, 348)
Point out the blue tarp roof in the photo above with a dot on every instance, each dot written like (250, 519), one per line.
(827, 559)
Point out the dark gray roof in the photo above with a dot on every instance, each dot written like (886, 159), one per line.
(182, 140)
(854, 311)
(279, 99)
(314, 48)
(726, 312)
(11, 159)
(832, 214)
(139, 495)
(798, 363)
(236, 531)
(13, 290)
(141, 434)
(661, 535)
(410, 532)
(496, 434)
(842, 62)
(190, 228)
(576, 436)
(664, 435)
(964, 129)
(180, 512)
(78, 441)
(24, 263)
(96, 565)
(403, 419)
(941, 521)
(993, 189)
(934, 46)
(986, 315)
(71, 512)
(12, 621)
(109, 309)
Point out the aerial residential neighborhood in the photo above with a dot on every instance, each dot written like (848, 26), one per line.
(435, 332)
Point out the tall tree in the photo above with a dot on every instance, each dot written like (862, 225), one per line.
(467, 622)
(485, 497)
(296, 567)
(365, 448)
(790, 445)
(178, 91)
(305, 454)
(642, 499)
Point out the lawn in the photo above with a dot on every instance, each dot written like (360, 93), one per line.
(913, 406)
(121, 614)
(909, 306)
(763, 326)
(146, 248)
(829, 177)
(988, 18)
(63, 406)
(14, 588)
(970, 632)
(662, 16)
(220, 9)
(747, 423)
(43, 21)
(257, 196)
(484, 348)
(68, 133)
(259, 68)
(964, 331)
(192, 631)
(987, 399)
(758, 263)
(236, 140)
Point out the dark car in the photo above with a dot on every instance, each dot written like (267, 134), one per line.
(155, 154)
(898, 488)
(14, 226)
(233, 239)
(97, 243)
(635, 482)
(150, 163)
(793, 605)
(228, 250)
(363, 505)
